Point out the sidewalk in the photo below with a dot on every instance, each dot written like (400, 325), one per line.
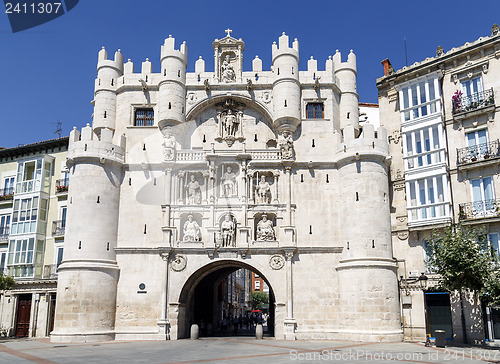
(235, 350)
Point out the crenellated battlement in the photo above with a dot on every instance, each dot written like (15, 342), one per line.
(168, 50)
(369, 142)
(103, 63)
(284, 47)
(350, 64)
(88, 144)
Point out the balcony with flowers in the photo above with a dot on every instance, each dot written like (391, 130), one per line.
(479, 210)
(62, 186)
(474, 104)
(6, 195)
(480, 154)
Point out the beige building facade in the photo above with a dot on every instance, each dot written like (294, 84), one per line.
(441, 115)
(195, 175)
(33, 201)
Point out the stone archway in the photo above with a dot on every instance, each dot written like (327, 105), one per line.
(198, 297)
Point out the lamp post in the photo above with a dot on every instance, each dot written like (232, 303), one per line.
(423, 284)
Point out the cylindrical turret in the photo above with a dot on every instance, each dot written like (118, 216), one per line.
(172, 87)
(346, 76)
(87, 279)
(286, 86)
(366, 236)
(105, 90)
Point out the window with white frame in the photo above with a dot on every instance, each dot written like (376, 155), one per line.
(25, 214)
(8, 186)
(428, 198)
(257, 285)
(420, 99)
(4, 225)
(477, 143)
(483, 197)
(3, 259)
(59, 246)
(25, 257)
(472, 87)
(424, 147)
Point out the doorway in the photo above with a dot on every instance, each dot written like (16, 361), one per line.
(23, 315)
(219, 300)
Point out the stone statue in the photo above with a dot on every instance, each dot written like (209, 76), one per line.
(263, 191)
(286, 145)
(229, 183)
(265, 230)
(230, 123)
(192, 231)
(168, 146)
(228, 74)
(194, 191)
(227, 231)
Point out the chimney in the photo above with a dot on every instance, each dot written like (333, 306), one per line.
(387, 67)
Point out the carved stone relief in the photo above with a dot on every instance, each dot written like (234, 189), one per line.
(229, 184)
(265, 230)
(276, 262)
(230, 120)
(179, 263)
(193, 189)
(285, 142)
(168, 146)
(228, 231)
(263, 191)
(191, 230)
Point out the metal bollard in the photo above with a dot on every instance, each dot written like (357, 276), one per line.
(259, 332)
(195, 332)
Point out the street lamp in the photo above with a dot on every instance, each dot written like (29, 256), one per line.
(423, 284)
(423, 281)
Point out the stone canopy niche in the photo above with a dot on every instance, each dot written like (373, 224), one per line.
(228, 58)
(230, 121)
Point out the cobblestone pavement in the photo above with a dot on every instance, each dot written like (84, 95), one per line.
(235, 350)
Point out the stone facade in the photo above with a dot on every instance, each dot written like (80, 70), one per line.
(441, 115)
(183, 176)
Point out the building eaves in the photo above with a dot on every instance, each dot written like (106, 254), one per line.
(34, 147)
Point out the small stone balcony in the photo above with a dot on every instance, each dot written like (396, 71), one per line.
(474, 104)
(478, 153)
(479, 210)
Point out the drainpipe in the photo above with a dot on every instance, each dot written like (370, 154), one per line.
(448, 154)
(35, 318)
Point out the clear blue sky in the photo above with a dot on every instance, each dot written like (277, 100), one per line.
(48, 71)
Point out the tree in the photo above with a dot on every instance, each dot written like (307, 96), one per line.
(259, 299)
(464, 262)
(6, 282)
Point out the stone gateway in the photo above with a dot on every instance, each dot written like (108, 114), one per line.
(184, 177)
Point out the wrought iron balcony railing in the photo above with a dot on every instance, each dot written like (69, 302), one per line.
(478, 152)
(62, 185)
(473, 102)
(4, 232)
(6, 194)
(479, 209)
(58, 227)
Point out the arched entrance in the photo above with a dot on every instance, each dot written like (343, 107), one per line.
(223, 290)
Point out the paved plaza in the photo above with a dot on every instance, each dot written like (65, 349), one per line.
(235, 350)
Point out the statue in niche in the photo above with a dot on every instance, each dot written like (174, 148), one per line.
(228, 183)
(227, 229)
(263, 191)
(265, 230)
(194, 191)
(230, 123)
(168, 146)
(228, 74)
(285, 143)
(192, 231)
